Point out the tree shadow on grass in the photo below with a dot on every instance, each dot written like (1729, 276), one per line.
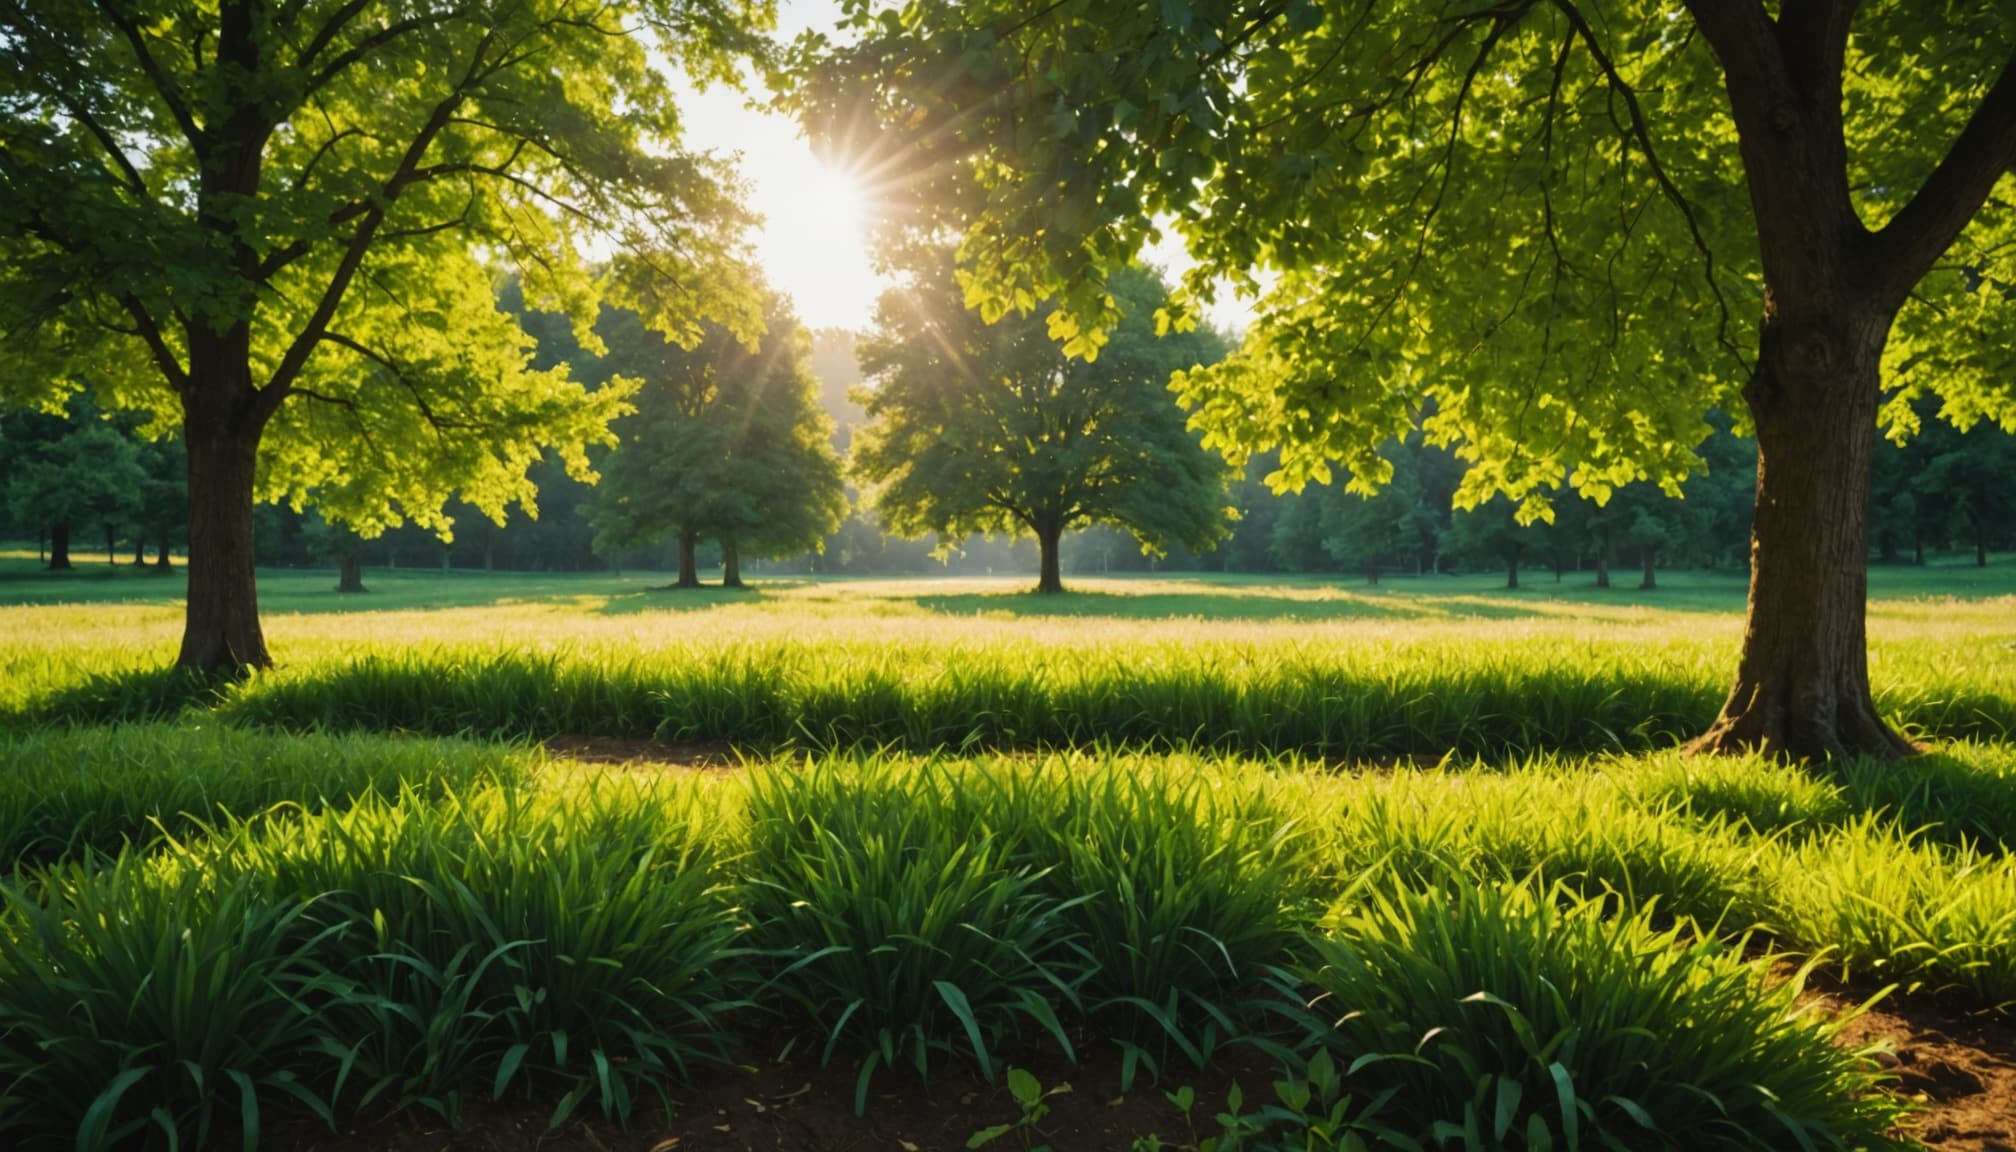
(124, 698)
(668, 598)
(1244, 604)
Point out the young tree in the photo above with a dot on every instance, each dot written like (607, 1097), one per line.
(1575, 231)
(271, 223)
(727, 442)
(981, 428)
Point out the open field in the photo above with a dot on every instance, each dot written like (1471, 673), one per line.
(1414, 866)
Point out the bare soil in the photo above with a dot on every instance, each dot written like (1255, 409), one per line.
(794, 1105)
(1958, 1066)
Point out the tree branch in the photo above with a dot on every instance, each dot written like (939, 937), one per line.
(169, 96)
(1983, 153)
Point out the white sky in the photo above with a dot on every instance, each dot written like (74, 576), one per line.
(811, 242)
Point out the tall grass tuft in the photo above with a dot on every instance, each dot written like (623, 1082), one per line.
(1494, 1016)
(156, 1003)
(581, 942)
(1192, 881)
(901, 921)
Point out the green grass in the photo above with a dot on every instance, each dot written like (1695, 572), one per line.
(978, 827)
(1262, 668)
(587, 937)
(69, 792)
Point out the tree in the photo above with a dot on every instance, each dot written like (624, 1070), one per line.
(1569, 232)
(1492, 530)
(92, 476)
(981, 428)
(268, 223)
(163, 500)
(727, 442)
(1966, 482)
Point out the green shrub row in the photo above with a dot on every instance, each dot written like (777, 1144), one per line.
(1500, 700)
(1474, 958)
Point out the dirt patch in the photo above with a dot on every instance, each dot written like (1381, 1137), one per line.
(646, 752)
(1958, 1066)
(798, 1107)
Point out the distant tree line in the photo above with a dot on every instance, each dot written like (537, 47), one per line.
(974, 448)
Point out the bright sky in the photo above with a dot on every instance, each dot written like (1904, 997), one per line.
(811, 243)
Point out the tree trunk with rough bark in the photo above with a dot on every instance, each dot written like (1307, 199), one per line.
(1650, 580)
(689, 562)
(1802, 684)
(350, 574)
(1832, 287)
(59, 547)
(221, 623)
(1050, 578)
(731, 565)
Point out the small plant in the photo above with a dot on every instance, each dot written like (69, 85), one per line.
(1034, 1101)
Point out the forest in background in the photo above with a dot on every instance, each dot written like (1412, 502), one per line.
(1945, 492)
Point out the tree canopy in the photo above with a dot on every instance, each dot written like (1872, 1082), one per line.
(1552, 234)
(727, 442)
(279, 226)
(981, 428)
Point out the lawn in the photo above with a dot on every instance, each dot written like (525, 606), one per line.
(1414, 865)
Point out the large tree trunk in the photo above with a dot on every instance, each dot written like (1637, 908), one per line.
(221, 626)
(59, 546)
(689, 563)
(1802, 685)
(350, 575)
(731, 565)
(1050, 578)
(1650, 580)
(161, 562)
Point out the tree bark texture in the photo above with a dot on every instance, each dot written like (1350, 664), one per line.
(221, 625)
(1802, 684)
(731, 565)
(689, 563)
(350, 575)
(1050, 578)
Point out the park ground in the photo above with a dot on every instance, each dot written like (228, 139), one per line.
(812, 865)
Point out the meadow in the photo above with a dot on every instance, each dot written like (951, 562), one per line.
(1413, 866)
